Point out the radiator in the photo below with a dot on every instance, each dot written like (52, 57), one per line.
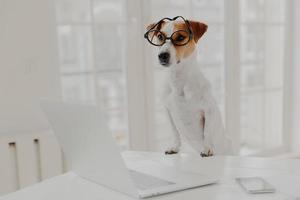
(28, 158)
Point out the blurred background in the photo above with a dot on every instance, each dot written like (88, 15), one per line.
(93, 51)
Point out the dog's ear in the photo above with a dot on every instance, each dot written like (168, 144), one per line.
(198, 29)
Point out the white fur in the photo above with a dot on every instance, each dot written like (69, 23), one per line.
(187, 97)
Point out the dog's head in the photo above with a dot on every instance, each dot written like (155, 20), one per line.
(176, 40)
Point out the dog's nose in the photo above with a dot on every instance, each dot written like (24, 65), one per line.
(164, 57)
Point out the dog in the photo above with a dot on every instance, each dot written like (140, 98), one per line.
(187, 97)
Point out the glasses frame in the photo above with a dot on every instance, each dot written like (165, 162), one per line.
(152, 29)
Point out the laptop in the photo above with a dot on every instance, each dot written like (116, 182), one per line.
(92, 153)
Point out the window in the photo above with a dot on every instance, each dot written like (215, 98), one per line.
(93, 70)
(104, 60)
(262, 30)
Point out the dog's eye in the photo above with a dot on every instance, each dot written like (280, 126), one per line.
(180, 38)
(160, 37)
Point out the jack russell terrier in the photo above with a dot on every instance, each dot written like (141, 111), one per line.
(187, 96)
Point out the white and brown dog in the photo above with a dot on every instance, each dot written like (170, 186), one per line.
(187, 96)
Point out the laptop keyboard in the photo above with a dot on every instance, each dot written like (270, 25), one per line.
(144, 181)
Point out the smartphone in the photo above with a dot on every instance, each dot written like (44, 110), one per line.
(255, 185)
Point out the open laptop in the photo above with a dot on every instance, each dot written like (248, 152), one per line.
(92, 153)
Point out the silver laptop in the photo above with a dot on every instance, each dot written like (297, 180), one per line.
(92, 153)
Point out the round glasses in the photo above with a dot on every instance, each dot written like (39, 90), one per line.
(158, 38)
(178, 38)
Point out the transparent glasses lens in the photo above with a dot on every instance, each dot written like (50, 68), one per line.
(156, 37)
(180, 37)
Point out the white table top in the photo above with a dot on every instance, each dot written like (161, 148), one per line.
(284, 174)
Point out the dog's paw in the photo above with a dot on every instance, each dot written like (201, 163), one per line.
(171, 151)
(207, 152)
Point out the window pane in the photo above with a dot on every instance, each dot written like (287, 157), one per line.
(92, 41)
(274, 56)
(262, 69)
(68, 11)
(110, 41)
(275, 10)
(252, 10)
(75, 48)
(261, 120)
(208, 10)
(252, 43)
(252, 122)
(273, 119)
(262, 10)
(107, 11)
(252, 77)
(168, 8)
(262, 56)
(203, 10)
(211, 46)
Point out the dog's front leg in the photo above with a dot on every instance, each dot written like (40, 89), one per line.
(215, 140)
(211, 131)
(187, 121)
(175, 144)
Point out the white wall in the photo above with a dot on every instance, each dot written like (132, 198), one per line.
(28, 63)
(296, 79)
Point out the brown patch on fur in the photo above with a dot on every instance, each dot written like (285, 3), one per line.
(186, 50)
(202, 119)
(198, 29)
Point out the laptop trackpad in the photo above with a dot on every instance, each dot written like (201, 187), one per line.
(145, 181)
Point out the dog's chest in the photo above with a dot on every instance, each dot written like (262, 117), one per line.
(183, 85)
(187, 87)
(177, 79)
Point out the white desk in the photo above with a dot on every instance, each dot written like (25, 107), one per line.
(282, 173)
